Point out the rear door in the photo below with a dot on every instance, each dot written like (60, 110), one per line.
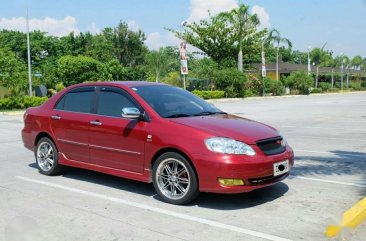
(70, 123)
(115, 141)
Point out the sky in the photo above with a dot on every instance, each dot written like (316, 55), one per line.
(340, 24)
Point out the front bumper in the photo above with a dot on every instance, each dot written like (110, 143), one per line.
(256, 171)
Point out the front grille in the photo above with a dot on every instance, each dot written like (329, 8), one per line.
(271, 146)
(266, 180)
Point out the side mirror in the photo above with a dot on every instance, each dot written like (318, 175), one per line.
(131, 113)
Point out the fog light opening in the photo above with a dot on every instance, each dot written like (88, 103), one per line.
(231, 182)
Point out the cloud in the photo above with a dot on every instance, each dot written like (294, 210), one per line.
(93, 29)
(52, 26)
(262, 15)
(199, 8)
(132, 25)
(156, 40)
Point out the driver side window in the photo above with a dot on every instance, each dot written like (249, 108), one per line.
(111, 102)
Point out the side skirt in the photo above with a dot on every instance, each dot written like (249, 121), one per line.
(142, 177)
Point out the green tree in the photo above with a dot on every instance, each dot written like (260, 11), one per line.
(320, 58)
(128, 45)
(78, 69)
(13, 73)
(159, 62)
(213, 36)
(356, 62)
(275, 37)
(245, 26)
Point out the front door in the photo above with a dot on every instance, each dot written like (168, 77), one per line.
(116, 142)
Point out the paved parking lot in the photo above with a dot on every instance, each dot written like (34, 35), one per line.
(327, 132)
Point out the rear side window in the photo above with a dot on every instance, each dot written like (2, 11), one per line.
(77, 100)
(111, 102)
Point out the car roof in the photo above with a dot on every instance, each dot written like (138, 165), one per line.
(122, 83)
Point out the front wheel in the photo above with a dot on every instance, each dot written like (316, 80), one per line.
(174, 179)
(47, 157)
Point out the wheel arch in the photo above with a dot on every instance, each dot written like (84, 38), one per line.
(41, 135)
(178, 151)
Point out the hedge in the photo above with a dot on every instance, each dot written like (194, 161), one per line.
(21, 102)
(316, 90)
(207, 94)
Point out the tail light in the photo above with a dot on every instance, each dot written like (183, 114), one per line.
(25, 116)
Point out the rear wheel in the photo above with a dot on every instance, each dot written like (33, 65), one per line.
(47, 157)
(174, 179)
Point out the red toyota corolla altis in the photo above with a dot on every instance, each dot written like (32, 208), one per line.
(155, 133)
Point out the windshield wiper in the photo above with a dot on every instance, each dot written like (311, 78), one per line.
(209, 113)
(177, 115)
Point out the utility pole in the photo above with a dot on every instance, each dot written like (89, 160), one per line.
(309, 67)
(342, 71)
(29, 58)
(263, 69)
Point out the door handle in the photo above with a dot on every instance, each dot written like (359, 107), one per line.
(96, 123)
(56, 117)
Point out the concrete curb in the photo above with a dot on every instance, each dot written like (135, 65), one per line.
(282, 96)
(13, 113)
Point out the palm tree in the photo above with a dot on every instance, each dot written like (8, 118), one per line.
(245, 24)
(159, 61)
(320, 57)
(356, 62)
(347, 63)
(275, 37)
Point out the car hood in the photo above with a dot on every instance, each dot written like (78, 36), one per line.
(230, 126)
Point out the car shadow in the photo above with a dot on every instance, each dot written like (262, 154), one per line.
(106, 180)
(205, 200)
(242, 200)
(342, 163)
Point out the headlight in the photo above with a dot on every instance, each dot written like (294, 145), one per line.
(284, 141)
(228, 146)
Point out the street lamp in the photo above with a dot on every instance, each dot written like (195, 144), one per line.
(29, 59)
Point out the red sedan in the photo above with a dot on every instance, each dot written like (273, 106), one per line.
(155, 133)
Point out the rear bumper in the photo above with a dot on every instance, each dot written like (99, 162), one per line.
(256, 171)
(28, 139)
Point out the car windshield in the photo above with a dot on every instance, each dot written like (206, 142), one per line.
(173, 102)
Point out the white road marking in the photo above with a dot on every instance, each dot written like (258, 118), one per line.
(159, 210)
(330, 181)
(325, 137)
(331, 153)
(324, 128)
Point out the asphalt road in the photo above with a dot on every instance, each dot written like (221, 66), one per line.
(327, 132)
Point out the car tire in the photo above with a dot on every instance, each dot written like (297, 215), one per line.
(46, 155)
(174, 179)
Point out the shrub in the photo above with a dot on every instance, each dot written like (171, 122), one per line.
(59, 87)
(274, 87)
(316, 90)
(347, 89)
(21, 102)
(230, 80)
(206, 94)
(248, 93)
(333, 90)
(299, 80)
(355, 85)
(325, 86)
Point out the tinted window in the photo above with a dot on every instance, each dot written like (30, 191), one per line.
(78, 100)
(169, 101)
(111, 103)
